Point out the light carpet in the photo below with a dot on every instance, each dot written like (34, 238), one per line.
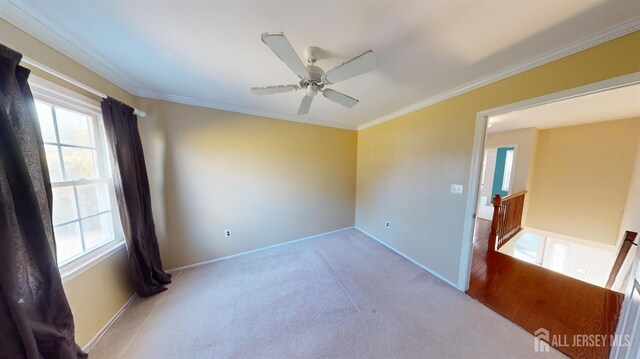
(340, 295)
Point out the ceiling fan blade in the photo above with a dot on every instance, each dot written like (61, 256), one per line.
(305, 105)
(268, 90)
(282, 48)
(354, 67)
(340, 98)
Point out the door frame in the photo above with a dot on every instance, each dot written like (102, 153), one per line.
(480, 134)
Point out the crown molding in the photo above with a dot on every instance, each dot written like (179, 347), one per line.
(13, 14)
(21, 19)
(595, 39)
(185, 100)
(27, 23)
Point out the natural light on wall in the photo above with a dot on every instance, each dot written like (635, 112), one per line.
(508, 166)
(79, 168)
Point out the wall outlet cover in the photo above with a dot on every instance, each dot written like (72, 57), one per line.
(456, 189)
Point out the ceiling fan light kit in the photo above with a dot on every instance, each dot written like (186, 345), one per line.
(313, 78)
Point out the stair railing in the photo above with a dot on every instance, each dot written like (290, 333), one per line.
(507, 219)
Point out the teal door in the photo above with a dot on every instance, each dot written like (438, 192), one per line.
(504, 165)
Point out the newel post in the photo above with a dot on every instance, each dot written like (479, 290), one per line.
(497, 201)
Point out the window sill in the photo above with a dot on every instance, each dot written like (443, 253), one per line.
(77, 266)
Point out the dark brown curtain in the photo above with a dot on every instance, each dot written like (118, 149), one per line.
(35, 318)
(134, 199)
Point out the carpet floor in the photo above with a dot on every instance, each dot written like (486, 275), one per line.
(340, 295)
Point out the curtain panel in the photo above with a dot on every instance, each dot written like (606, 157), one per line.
(134, 198)
(35, 317)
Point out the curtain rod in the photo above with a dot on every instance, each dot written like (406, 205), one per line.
(68, 79)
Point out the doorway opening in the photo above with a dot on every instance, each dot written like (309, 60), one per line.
(496, 177)
(545, 246)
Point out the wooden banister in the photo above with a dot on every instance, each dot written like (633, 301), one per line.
(627, 242)
(512, 196)
(507, 219)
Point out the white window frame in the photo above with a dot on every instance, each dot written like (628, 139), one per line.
(58, 96)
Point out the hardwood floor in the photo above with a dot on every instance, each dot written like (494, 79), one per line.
(534, 297)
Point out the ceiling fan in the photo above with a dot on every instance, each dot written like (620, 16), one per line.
(312, 78)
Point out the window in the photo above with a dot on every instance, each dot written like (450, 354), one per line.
(84, 217)
(508, 166)
(558, 257)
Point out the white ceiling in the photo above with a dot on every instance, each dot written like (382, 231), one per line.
(617, 104)
(209, 52)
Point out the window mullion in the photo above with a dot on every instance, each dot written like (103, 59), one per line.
(74, 146)
(103, 161)
(81, 182)
(97, 214)
(55, 126)
(75, 197)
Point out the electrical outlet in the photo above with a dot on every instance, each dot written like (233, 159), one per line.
(456, 189)
(227, 233)
(388, 224)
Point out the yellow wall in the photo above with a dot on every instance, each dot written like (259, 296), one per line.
(96, 294)
(581, 179)
(269, 181)
(405, 166)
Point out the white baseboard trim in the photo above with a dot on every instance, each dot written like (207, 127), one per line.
(422, 266)
(253, 251)
(87, 347)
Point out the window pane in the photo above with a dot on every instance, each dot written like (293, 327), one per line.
(97, 230)
(53, 162)
(73, 128)
(68, 241)
(558, 257)
(78, 163)
(64, 205)
(46, 122)
(92, 198)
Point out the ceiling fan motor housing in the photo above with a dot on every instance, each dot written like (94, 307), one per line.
(312, 89)
(315, 77)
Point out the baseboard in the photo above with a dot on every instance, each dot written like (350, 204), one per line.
(253, 251)
(87, 347)
(431, 271)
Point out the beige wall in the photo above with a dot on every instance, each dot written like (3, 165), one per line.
(582, 177)
(630, 222)
(631, 216)
(269, 181)
(405, 166)
(97, 294)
